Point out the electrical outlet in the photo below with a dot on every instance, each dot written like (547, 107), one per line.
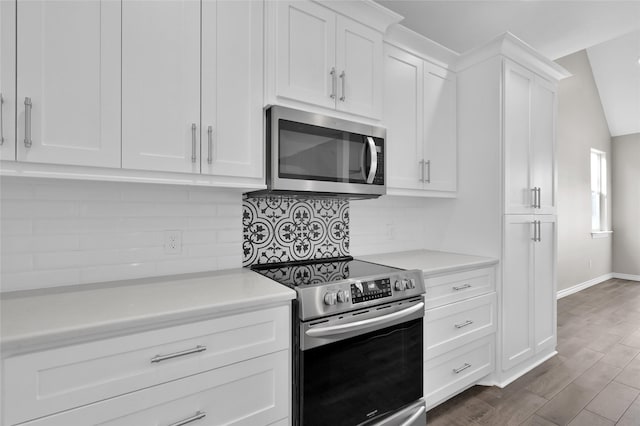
(173, 242)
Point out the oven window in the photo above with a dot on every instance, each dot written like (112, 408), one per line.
(351, 381)
(316, 153)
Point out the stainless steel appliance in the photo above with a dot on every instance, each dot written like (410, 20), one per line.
(313, 154)
(357, 342)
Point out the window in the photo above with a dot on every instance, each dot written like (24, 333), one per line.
(598, 191)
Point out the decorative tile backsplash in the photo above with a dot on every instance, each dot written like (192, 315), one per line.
(283, 229)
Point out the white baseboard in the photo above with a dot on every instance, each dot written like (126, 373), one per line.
(578, 287)
(626, 276)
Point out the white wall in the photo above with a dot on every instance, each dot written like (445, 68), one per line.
(581, 125)
(626, 204)
(63, 232)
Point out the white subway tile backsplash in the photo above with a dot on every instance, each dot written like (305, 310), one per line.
(57, 233)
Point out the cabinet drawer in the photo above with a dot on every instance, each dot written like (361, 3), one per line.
(454, 371)
(49, 381)
(248, 393)
(450, 326)
(449, 288)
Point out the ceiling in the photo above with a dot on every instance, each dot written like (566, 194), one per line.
(554, 28)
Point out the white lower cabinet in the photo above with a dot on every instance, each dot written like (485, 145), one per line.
(455, 371)
(248, 393)
(235, 369)
(529, 288)
(459, 332)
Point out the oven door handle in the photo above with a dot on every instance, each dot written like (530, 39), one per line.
(359, 325)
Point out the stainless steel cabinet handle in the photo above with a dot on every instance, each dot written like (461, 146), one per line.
(539, 197)
(411, 420)
(464, 367)
(160, 358)
(463, 324)
(193, 142)
(334, 83)
(210, 142)
(197, 416)
(462, 287)
(421, 162)
(1, 120)
(27, 122)
(536, 231)
(373, 162)
(534, 193)
(539, 232)
(428, 165)
(343, 77)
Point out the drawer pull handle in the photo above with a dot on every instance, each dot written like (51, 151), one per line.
(197, 416)
(462, 287)
(461, 369)
(160, 358)
(463, 324)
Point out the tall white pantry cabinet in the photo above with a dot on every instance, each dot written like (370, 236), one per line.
(506, 124)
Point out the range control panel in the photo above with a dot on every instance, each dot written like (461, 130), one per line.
(362, 291)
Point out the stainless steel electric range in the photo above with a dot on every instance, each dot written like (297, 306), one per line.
(357, 342)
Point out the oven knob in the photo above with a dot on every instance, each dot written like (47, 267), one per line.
(411, 283)
(343, 296)
(399, 285)
(330, 298)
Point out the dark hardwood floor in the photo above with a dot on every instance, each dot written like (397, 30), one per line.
(594, 380)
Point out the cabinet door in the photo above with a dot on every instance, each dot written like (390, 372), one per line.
(7, 80)
(517, 290)
(543, 144)
(545, 283)
(305, 50)
(403, 118)
(440, 149)
(69, 67)
(359, 66)
(518, 84)
(231, 131)
(161, 85)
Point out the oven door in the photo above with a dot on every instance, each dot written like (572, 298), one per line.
(359, 367)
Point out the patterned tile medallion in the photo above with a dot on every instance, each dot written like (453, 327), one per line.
(282, 229)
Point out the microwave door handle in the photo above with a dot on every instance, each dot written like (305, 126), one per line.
(373, 165)
(363, 166)
(364, 324)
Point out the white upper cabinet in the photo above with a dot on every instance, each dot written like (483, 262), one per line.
(7, 80)
(543, 132)
(359, 61)
(325, 59)
(192, 87)
(420, 116)
(68, 82)
(440, 151)
(403, 108)
(306, 53)
(529, 142)
(232, 74)
(161, 85)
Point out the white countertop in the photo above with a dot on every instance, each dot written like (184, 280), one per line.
(429, 261)
(52, 316)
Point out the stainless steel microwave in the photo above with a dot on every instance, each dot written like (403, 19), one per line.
(311, 154)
